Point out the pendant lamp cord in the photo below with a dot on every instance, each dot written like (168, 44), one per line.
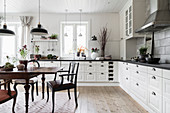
(39, 11)
(4, 11)
(80, 19)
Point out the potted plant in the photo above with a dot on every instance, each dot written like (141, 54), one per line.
(23, 52)
(94, 54)
(53, 36)
(143, 55)
(37, 55)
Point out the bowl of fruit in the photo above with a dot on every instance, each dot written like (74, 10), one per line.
(8, 67)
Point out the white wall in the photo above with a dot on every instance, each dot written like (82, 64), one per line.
(52, 23)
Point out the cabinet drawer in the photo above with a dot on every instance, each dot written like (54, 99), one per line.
(141, 76)
(138, 67)
(90, 77)
(155, 101)
(166, 88)
(89, 68)
(166, 105)
(102, 67)
(166, 74)
(102, 76)
(155, 82)
(155, 71)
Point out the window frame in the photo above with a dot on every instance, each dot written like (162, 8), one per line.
(75, 24)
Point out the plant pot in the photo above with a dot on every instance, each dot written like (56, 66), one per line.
(25, 62)
(94, 55)
(37, 56)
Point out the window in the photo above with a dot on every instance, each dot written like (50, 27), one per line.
(72, 41)
(8, 44)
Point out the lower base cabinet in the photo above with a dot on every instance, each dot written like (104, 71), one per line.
(166, 105)
(155, 100)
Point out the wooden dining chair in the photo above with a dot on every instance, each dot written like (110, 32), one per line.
(64, 84)
(6, 95)
(32, 81)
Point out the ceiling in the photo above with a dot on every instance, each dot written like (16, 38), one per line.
(59, 6)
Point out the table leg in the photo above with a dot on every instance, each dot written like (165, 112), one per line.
(43, 85)
(27, 87)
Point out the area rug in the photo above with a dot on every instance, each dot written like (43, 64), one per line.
(62, 104)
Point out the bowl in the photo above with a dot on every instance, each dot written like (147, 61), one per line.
(153, 60)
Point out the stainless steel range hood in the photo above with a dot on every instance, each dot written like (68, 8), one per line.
(158, 20)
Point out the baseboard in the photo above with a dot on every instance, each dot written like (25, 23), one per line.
(98, 84)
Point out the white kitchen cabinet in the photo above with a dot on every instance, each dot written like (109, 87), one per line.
(166, 88)
(138, 90)
(102, 76)
(155, 100)
(166, 105)
(133, 17)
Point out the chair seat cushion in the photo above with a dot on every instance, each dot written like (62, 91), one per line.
(57, 84)
(22, 81)
(4, 95)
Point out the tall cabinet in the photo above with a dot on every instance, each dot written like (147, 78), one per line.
(132, 17)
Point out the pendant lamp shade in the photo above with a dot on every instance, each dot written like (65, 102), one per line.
(39, 30)
(4, 31)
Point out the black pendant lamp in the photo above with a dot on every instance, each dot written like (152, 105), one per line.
(4, 31)
(39, 30)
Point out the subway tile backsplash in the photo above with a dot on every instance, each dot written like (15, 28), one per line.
(162, 45)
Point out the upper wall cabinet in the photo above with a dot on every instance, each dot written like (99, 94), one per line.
(132, 17)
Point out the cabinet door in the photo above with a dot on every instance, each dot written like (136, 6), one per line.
(166, 88)
(155, 100)
(90, 76)
(155, 71)
(166, 105)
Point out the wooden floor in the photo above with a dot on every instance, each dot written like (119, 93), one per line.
(97, 99)
(106, 99)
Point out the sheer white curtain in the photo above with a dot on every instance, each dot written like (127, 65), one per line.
(1, 18)
(25, 33)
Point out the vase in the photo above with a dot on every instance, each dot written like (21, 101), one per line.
(94, 55)
(25, 62)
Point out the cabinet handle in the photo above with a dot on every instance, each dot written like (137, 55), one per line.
(153, 77)
(153, 93)
(137, 84)
(102, 65)
(90, 65)
(102, 73)
(137, 71)
(126, 63)
(90, 73)
(126, 68)
(126, 78)
(154, 69)
(137, 66)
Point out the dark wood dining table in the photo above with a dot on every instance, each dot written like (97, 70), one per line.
(28, 74)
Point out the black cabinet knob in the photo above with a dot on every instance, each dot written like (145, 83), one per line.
(153, 77)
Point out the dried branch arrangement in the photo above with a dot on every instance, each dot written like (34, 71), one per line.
(103, 38)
